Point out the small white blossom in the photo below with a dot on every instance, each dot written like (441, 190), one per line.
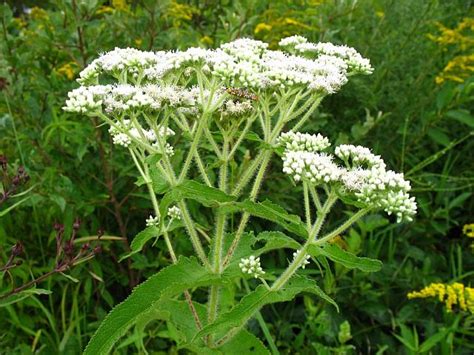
(251, 266)
(355, 62)
(313, 167)
(236, 108)
(152, 221)
(297, 141)
(174, 213)
(358, 156)
(292, 41)
(86, 99)
(305, 261)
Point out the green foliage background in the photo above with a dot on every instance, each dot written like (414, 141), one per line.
(417, 125)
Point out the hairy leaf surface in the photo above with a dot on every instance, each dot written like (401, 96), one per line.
(186, 273)
(248, 305)
(348, 260)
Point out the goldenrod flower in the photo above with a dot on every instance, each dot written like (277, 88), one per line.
(67, 70)
(262, 27)
(468, 230)
(455, 294)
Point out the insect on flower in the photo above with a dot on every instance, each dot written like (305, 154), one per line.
(241, 93)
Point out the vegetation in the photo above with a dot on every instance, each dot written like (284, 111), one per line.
(72, 210)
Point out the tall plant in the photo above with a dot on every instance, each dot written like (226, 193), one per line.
(203, 126)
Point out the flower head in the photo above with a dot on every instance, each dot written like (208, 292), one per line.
(251, 266)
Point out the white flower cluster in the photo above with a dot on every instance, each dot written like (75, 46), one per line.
(354, 156)
(174, 213)
(305, 261)
(125, 131)
(152, 221)
(85, 99)
(118, 60)
(241, 63)
(353, 59)
(126, 97)
(251, 266)
(313, 167)
(297, 141)
(236, 108)
(364, 176)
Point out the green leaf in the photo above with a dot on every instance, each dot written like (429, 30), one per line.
(141, 239)
(459, 200)
(15, 205)
(272, 212)
(193, 190)
(17, 297)
(159, 183)
(208, 196)
(248, 305)
(186, 273)
(433, 340)
(256, 245)
(438, 136)
(348, 260)
(463, 116)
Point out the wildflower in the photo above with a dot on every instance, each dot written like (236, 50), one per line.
(455, 294)
(313, 167)
(358, 156)
(262, 27)
(67, 70)
(305, 261)
(297, 141)
(468, 230)
(152, 221)
(364, 176)
(174, 213)
(251, 266)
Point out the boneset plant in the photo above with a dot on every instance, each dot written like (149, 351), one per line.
(202, 127)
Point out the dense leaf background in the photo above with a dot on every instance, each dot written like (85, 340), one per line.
(417, 124)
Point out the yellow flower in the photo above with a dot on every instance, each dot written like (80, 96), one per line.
(19, 22)
(458, 69)
(461, 41)
(380, 14)
(180, 12)
(104, 10)
(207, 40)
(468, 230)
(138, 42)
(37, 13)
(120, 5)
(262, 27)
(67, 70)
(455, 294)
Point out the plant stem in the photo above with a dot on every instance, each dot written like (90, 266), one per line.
(356, 216)
(263, 325)
(156, 208)
(245, 216)
(312, 234)
(306, 206)
(17, 140)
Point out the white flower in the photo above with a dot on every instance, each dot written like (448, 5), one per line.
(152, 221)
(86, 99)
(313, 167)
(251, 266)
(174, 213)
(365, 177)
(355, 62)
(292, 41)
(236, 108)
(358, 156)
(305, 261)
(297, 141)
